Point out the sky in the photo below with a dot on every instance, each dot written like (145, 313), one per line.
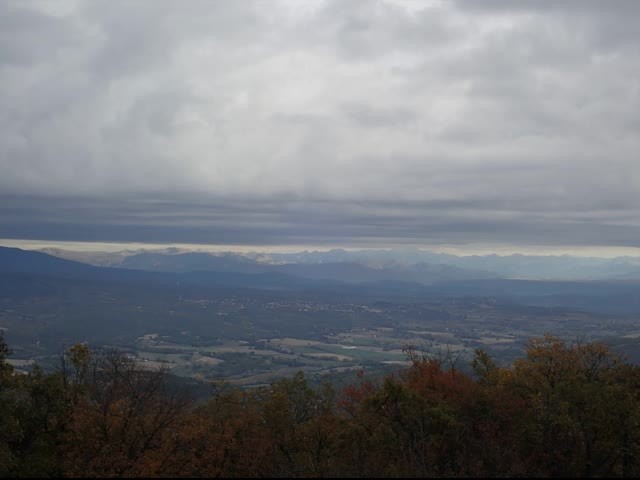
(328, 123)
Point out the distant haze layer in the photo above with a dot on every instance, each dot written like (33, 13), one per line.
(460, 250)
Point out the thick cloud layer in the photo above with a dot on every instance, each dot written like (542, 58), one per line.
(343, 122)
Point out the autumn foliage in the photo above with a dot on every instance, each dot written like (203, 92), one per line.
(568, 410)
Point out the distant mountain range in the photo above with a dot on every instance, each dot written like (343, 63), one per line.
(347, 270)
(24, 272)
(408, 264)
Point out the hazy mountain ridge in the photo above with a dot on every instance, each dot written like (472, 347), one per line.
(15, 260)
(615, 296)
(190, 262)
(352, 272)
(560, 267)
(107, 259)
(412, 263)
(53, 300)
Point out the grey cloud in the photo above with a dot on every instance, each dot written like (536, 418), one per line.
(28, 37)
(141, 36)
(368, 116)
(361, 29)
(273, 222)
(535, 6)
(345, 121)
(605, 25)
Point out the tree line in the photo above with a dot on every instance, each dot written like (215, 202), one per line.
(564, 409)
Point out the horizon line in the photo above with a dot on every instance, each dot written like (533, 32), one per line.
(456, 250)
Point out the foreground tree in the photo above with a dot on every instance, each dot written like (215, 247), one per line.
(582, 409)
(33, 414)
(567, 410)
(126, 422)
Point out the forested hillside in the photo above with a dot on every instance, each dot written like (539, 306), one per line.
(562, 410)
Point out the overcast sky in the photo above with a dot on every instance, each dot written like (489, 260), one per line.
(354, 123)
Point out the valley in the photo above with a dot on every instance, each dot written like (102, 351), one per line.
(252, 329)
